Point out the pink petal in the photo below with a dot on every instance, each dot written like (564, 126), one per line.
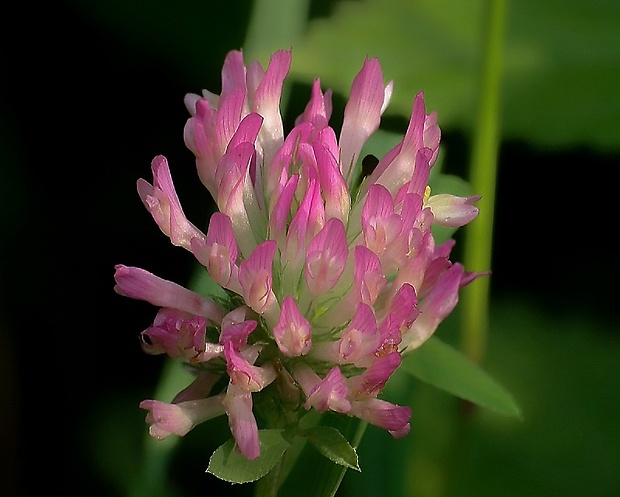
(362, 114)
(326, 258)
(266, 102)
(176, 333)
(163, 203)
(233, 72)
(371, 382)
(318, 110)
(218, 253)
(452, 211)
(178, 419)
(238, 403)
(325, 394)
(395, 419)
(139, 284)
(245, 375)
(434, 307)
(293, 333)
(307, 222)
(360, 339)
(368, 279)
(255, 277)
(200, 388)
(333, 186)
(401, 167)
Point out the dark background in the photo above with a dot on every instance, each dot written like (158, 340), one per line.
(84, 111)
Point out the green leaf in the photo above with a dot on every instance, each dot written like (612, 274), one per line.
(444, 367)
(228, 464)
(561, 69)
(333, 445)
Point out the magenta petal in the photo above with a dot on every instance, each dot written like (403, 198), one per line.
(403, 307)
(405, 164)
(247, 132)
(282, 208)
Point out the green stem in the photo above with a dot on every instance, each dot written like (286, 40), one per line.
(355, 443)
(269, 485)
(274, 25)
(474, 306)
(314, 475)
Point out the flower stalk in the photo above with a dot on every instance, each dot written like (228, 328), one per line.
(482, 177)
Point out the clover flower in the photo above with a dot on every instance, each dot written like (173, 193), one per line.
(330, 278)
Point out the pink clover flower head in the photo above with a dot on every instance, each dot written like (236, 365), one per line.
(327, 278)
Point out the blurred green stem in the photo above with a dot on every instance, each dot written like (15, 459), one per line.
(274, 25)
(152, 479)
(474, 305)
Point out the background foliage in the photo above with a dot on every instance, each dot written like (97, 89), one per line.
(93, 90)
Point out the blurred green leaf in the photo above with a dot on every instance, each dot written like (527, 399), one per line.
(230, 465)
(444, 367)
(562, 62)
(333, 445)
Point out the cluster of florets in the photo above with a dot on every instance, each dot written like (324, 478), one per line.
(329, 279)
